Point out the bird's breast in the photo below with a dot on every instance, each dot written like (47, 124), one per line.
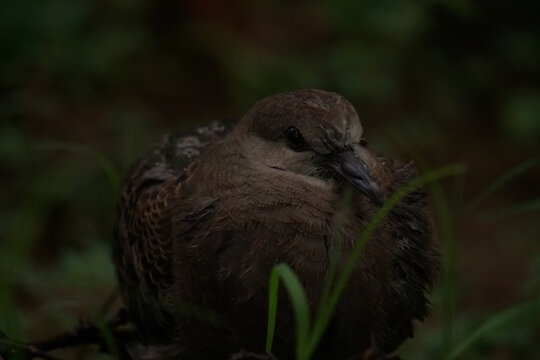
(292, 224)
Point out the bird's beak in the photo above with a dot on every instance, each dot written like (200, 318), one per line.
(356, 172)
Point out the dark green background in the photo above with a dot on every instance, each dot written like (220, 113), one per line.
(87, 86)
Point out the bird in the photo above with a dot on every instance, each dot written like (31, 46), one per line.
(205, 216)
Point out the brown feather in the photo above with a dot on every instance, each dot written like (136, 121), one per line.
(204, 218)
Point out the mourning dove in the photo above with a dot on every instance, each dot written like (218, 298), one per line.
(205, 217)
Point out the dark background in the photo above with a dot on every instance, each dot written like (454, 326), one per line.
(87, 86)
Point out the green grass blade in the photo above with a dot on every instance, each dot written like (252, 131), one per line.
(321, 322)
(503, 180)
(103, 162)
(108, 337)
(446, 210)
(273, 289)
(300, 307)
(501, 319)
(446, 220)
(508, 211)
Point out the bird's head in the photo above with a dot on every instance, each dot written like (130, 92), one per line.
(310, 133)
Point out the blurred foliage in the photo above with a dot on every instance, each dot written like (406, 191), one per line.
(87, 86)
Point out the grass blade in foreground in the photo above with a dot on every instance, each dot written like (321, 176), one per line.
(300, 307)
(446, 209)
(496, 321)
(307, 340)
(322, 321)
(503, 180)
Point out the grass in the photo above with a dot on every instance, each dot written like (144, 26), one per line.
(501, 319)
(308, 331)
(69, 72)
(308, 334)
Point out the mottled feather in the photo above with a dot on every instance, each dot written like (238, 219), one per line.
(205, 216)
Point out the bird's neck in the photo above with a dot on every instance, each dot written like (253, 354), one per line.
(245, 185)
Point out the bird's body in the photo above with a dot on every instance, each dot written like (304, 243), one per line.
(204, 218)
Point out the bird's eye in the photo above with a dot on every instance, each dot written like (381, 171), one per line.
(295, 139)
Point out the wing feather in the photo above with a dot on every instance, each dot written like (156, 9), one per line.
(144, 228)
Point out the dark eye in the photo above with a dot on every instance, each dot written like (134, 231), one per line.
(295, 139)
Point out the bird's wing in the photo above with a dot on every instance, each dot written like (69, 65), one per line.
(143, 239)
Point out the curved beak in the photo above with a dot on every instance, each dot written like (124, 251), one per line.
(356, 172)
